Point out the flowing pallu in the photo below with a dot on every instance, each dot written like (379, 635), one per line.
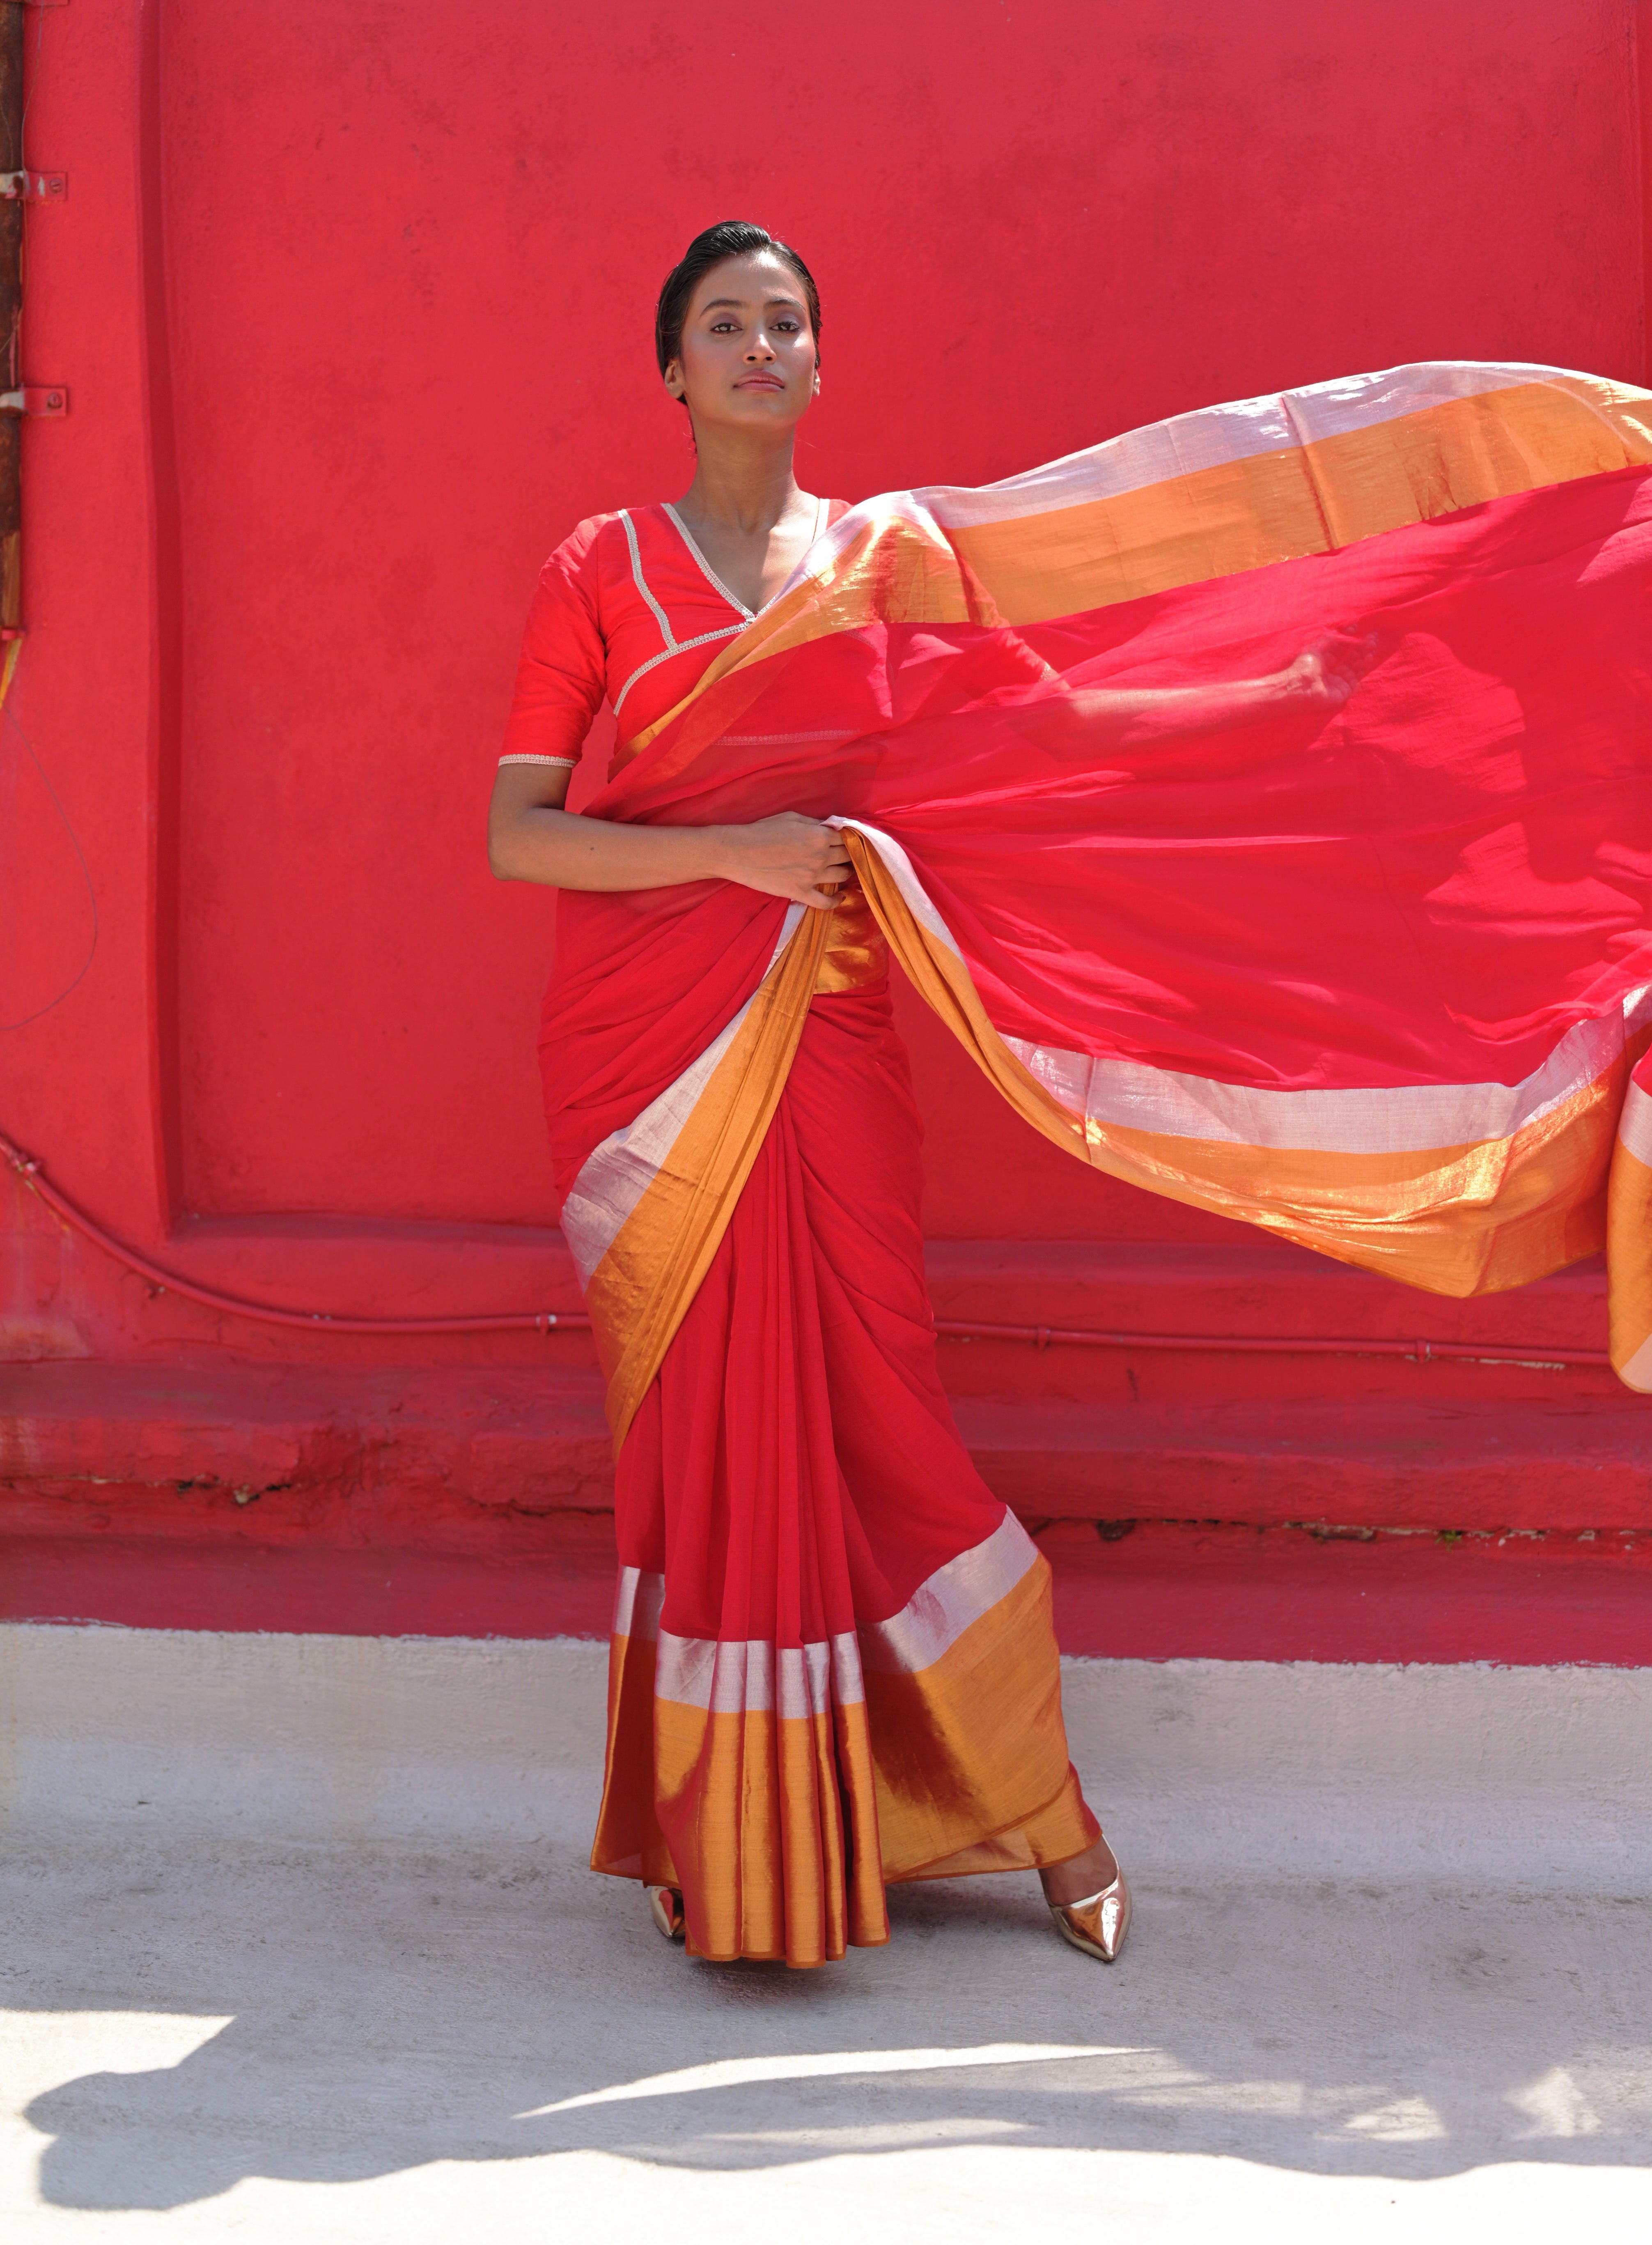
(1379, 984)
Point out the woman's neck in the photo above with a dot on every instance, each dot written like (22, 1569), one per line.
(740, 486)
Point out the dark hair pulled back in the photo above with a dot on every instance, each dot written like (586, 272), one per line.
(734, 237)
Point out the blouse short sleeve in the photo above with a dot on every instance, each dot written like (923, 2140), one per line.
(562, 674)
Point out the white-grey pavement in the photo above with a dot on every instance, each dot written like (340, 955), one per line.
(211, 2031)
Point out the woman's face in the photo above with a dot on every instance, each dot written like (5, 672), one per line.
(748, 354)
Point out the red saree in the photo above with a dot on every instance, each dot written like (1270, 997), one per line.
(1376, 985)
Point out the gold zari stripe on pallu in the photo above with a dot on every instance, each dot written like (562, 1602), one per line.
(1279, 506)
(1458, 1220)
(641, 1290)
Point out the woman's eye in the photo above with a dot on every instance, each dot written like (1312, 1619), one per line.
(722, 327)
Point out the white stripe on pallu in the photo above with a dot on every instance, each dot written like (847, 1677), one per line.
(1218, 435)
(1404, 1118)
(617, 1173)
(734, 1676)
(1213, 437)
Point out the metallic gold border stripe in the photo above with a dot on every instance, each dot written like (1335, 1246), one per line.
(641, 1290)
(615, 1175)
(1629, 1241)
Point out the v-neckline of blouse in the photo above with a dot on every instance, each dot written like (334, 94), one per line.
(823, 507)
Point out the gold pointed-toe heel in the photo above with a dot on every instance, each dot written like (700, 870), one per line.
(1099, 1924)
(665, 1906)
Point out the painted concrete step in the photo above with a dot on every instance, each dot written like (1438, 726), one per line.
(456, 1502)
(431, 1448)
(464, 1460)
(1166, 1590)
(1574, 1463)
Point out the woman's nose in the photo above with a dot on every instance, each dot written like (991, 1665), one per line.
(760, 347)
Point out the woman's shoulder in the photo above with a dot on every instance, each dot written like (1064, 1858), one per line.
(586, 541)
(605, 549)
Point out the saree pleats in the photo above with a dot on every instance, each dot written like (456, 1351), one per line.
(833, 1662)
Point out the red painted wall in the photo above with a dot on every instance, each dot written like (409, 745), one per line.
(353, 299)
(354, 302)
(410, 259)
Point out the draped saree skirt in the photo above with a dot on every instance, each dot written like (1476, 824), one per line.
(833, 1663)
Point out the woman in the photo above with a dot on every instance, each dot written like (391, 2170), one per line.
(833, 1662)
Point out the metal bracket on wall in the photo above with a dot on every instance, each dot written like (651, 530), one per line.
(34, 187)
(49, 404)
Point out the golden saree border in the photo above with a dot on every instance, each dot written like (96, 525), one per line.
(1280, 506)
(781, 1787)
(767, 1807)
(650, 1205)
(1180, 502)
(1628, 1223)
(971, 1756)
(1360, 1175)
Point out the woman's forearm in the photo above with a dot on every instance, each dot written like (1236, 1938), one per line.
(787, 855)
(1125, 719)
(1323, 677)
(565, 851)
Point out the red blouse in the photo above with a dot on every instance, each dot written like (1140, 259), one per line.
(627, 610)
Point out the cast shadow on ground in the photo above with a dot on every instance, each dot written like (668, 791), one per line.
(391, 2011)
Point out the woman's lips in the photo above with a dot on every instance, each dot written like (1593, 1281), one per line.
(759, 381)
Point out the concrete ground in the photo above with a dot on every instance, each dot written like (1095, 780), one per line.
(209, 2031)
